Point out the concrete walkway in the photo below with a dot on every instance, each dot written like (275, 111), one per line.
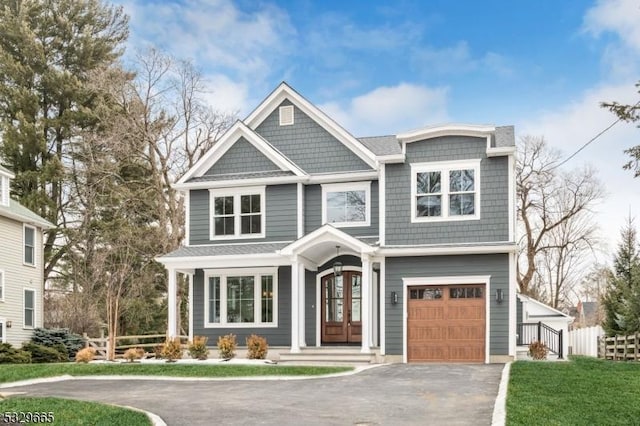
(398, 394)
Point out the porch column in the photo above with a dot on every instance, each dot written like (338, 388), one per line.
(302, 339)
(172, 320)
(365, 304)
(295, 305)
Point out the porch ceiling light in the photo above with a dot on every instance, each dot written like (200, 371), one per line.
(337, 266)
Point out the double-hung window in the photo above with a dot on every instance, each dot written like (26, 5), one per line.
(237, 214)
(29, 245)
(346, 204)
(241, 298)
(445, 191)
(29, 308)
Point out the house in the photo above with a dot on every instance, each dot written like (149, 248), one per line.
(21, 266)
(399, 247)
(538, 321)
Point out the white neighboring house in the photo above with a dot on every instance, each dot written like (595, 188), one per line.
(21, 266)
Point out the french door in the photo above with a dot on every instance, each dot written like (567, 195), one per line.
(341, 308)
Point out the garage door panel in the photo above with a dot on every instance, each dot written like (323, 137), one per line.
(446, 323)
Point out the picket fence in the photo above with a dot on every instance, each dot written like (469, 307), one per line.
(584, 341)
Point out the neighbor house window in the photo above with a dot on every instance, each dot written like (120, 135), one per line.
(4, 190)
(238, 214)
(29, 245)
(347, 204)
(2, 331)
(445, 191)
(240, 298)
(1, 285)
(29, 308)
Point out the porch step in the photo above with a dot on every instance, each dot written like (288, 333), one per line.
(522, 353)
(334, 355)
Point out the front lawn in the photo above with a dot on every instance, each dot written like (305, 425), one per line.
(16, 372)
(67, 412)
(583, 391)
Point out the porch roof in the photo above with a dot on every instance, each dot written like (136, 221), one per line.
(226, 249)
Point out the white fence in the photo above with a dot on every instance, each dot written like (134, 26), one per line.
(584, 341)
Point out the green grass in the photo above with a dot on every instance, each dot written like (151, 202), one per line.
(15, 372)
(584, 391)
(72, 413)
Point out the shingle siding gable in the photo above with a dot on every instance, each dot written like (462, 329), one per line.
(242, 157)
(308, 144)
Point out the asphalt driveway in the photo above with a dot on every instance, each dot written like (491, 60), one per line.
(397, 394)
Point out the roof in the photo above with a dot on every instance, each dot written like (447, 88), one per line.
(6, 171)
(17, 211)
(240, 176)
(227, 249)
(382, 145)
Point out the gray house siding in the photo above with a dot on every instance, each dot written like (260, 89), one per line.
(276, 336)
(310, 308)
(308, 144)
(313, 212)
(494, 211)
(281, 221)
(242, 157)
(495, 265)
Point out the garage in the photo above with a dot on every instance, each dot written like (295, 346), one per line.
(446, 323)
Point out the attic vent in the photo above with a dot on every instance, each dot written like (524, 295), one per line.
(286, 115)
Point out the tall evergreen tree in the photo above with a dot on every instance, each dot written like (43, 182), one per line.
(48, 49)
(622, 300)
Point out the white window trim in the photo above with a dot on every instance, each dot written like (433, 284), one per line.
(236, 194)
(282, 111)
(3, 328)
(343, 187)
(24, 245)
(24, 308)
(444, 167)
(4, 190)
(2, 287)
(257, 274)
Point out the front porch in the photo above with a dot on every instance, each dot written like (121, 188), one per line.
(292, 295)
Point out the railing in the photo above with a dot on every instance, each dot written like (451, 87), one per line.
(529, 332)
(620, 348)
(147, 342)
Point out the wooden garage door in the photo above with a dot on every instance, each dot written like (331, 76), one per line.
(446, 323)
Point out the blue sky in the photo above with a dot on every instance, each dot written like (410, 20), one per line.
(387, 67)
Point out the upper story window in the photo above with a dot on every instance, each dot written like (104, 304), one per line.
(445, 191)
(4, 190)
(29, 245)
(347, 204)
(237, 214)
(241, 298)
(1, 285)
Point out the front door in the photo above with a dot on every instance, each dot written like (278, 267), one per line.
(341, 303)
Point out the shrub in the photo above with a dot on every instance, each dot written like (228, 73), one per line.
(198, 348)
(11, 355)
(58, 336)
(43, 354)
(133, 354)
(538, 350)
(157, 351)
(85, 355)
(257, 347)
(172, 349)
(227, 346)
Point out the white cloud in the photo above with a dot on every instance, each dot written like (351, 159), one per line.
(214, 32)
(390, 110)
(226, 95)
(618, 16)
(459, 59)
(570, 126)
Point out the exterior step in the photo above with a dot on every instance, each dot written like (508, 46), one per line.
(328, 355)
(522, 353)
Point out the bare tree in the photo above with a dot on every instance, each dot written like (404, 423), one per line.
(557, 227)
